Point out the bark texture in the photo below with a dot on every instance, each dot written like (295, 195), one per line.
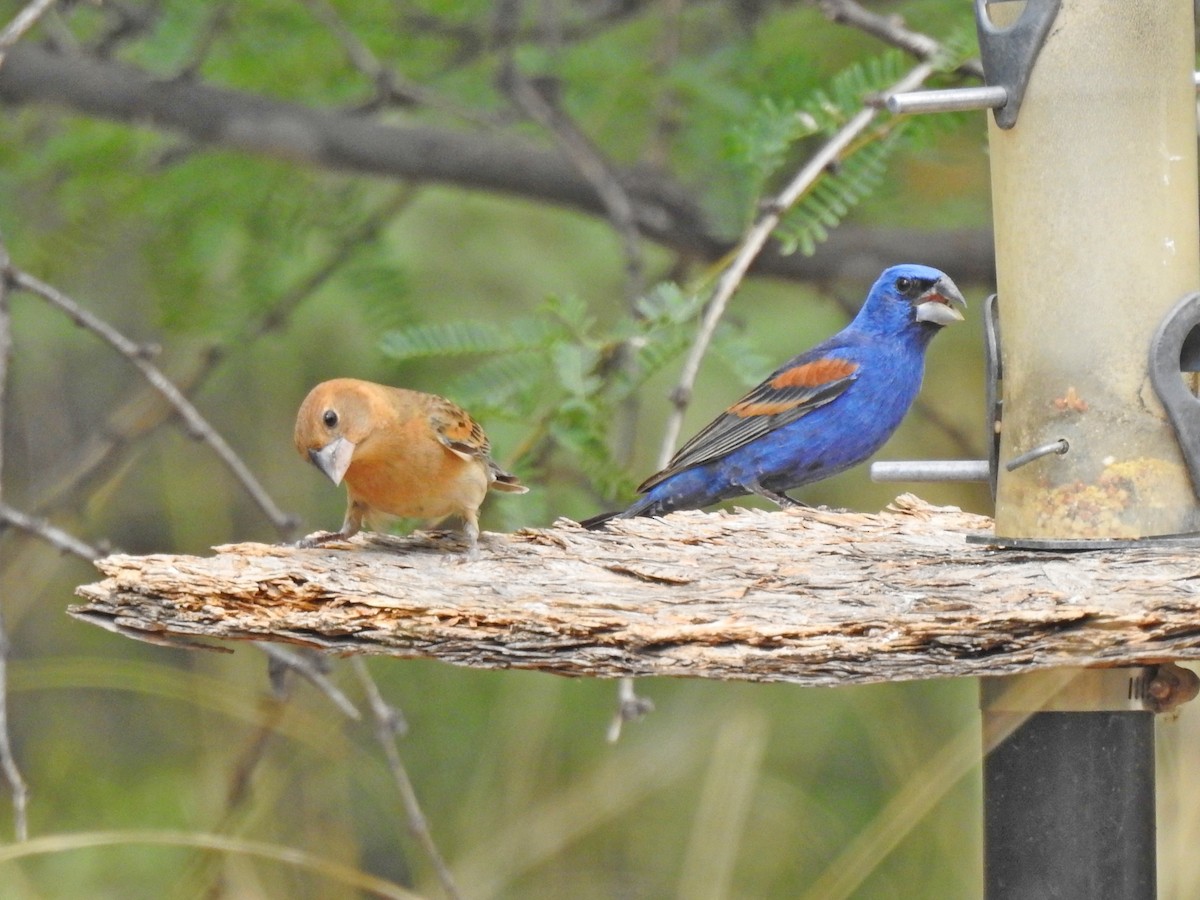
(807, 596)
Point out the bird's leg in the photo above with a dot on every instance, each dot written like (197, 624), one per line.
(350, 527)
(779, 498)
(470, 533)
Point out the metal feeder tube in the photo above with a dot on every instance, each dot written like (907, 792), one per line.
(1097, 237)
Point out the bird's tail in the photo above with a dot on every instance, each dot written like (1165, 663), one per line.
(595, 523)
(504, 481)
(643, 506)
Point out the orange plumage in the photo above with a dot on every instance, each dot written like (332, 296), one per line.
(400, 452)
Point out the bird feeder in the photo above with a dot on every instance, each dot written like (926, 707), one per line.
(1094, 201)
(1095, 436)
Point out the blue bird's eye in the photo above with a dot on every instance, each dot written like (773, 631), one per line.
(903, 283)
(330, 418)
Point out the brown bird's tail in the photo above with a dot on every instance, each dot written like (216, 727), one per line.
(503, 481)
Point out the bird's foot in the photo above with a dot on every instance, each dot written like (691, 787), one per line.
(319, 539)
(779, 498)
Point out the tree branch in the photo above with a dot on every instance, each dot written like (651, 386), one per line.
(20, 24)
(388, 724)
(61, 540)
(891, 30)
(664, 211)
(809, 596)
(137, 355)
(18, 790)
(531, 99)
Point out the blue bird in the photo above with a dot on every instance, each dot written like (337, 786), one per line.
(820, 412)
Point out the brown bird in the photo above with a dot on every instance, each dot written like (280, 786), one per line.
(400, 452)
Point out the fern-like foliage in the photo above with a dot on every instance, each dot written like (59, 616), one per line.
(778, 133)
(836, 193)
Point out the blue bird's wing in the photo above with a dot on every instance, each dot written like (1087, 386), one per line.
(790, 393)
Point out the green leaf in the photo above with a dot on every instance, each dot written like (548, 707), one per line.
(836, 194)
(447, 339)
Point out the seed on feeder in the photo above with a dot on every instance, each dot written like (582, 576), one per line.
(1070, 401)
(1125, 501)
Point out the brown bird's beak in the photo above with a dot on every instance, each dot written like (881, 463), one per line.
(334, 458)
(937, 304)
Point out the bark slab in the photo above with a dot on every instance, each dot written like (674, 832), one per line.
(807, 596)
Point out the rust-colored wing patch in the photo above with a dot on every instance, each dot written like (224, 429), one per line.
(813, 374)
(745, 409)
(456, 429)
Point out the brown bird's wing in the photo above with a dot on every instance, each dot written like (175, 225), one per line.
(456, 429)
(463, 436)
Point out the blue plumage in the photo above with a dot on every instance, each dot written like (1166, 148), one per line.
(820, 412)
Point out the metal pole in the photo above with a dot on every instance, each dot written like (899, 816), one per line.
(1069, 790)
(1035, 785)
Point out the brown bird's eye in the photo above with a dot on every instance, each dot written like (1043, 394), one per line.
(330, 418)
(903, 283)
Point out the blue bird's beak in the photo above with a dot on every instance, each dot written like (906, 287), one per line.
(937, 304)
(334, 458)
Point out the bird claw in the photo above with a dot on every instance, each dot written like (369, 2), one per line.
(779, 498)
(470, 554)
(319, 539)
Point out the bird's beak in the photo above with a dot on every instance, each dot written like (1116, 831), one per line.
(334, 458)
(937, 304)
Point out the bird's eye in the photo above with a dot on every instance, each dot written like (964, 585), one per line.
(330, 418)
(903, 283)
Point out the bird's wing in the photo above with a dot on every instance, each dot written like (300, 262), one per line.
(463, 437)
(456, 429)
(805, 383)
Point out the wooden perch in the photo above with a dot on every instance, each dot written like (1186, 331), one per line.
(808, 596)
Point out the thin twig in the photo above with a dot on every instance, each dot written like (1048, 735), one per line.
(137, 355)
(56, 537)
(891, 30)
(537, 101)
(131, 422)
(390, 86)
(753, 242)
(8, 763)
(388, 723)
(630, 708)
(666, 114)
(307, 666)
(218, 21)
(21, 23)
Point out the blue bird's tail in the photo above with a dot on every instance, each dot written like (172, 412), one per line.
(595, 523)
(689, 489)
(644, 506)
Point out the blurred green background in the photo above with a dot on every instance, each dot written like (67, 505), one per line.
(259, 277)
